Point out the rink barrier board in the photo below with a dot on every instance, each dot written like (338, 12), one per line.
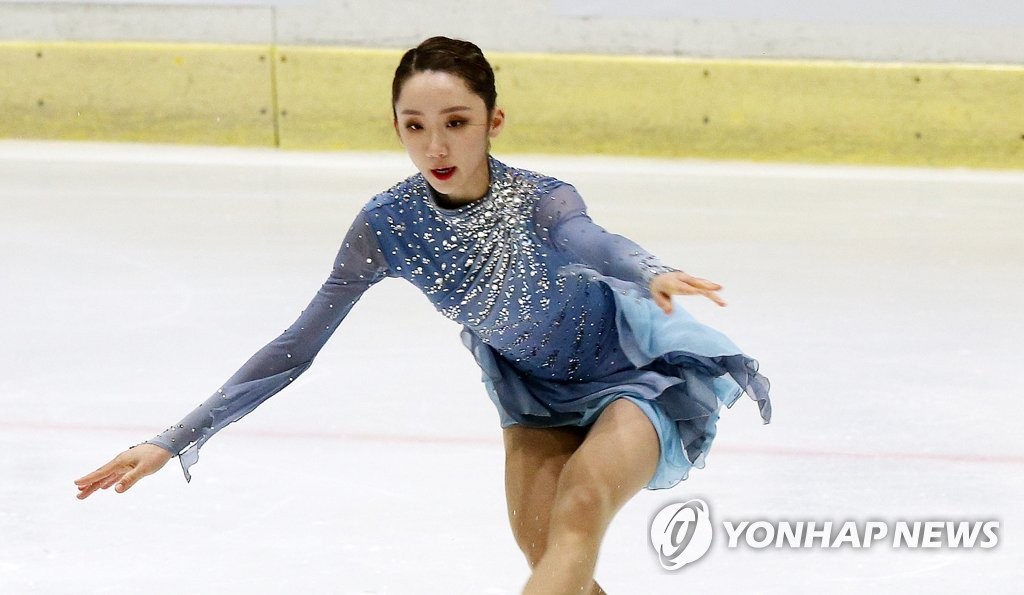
(334, 98)
(163, 93)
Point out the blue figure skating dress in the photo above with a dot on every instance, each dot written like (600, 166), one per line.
(555, 310)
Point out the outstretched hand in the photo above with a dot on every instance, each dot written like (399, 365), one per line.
(666, 285)
(125, 470)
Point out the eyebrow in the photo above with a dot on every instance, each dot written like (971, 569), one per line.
(447, 110)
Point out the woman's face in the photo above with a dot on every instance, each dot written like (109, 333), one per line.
(446, 130)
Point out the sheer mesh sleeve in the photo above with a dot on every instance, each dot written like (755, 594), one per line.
(563, 223)
(359, 264)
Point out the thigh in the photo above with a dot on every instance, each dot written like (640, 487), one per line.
(617, 459)
(534, 459)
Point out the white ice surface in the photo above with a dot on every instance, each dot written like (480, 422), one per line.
(886, 306)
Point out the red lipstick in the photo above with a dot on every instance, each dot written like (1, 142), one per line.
(443, 173)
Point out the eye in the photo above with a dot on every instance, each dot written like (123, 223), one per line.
(456, 123)
(413, 126)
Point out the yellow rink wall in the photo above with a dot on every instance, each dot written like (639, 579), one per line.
(327, 98)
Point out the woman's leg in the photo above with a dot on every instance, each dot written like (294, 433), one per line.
(534, 458)
(616, 460)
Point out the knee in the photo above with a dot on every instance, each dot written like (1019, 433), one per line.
(581, 508)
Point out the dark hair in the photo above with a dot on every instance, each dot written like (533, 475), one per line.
(454, 56)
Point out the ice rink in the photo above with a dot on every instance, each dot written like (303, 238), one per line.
(885, 305)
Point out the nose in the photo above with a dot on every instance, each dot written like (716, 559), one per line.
(438, 148)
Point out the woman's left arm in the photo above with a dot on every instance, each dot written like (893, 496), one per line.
(562, 217)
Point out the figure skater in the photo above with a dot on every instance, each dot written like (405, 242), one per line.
(602, 384)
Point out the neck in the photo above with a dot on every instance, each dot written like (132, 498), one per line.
(448, 202)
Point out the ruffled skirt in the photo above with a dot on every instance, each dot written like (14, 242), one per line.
(682, 374)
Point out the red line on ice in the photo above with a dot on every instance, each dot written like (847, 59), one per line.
(491, 441)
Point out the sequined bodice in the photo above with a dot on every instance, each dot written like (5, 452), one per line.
(487, 266)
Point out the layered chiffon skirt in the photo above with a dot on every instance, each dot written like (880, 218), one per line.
(682, 372)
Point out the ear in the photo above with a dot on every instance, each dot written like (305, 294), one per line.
(394, 124)
(497, 122)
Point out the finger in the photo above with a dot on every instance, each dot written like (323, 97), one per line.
(97, 474)
(703, 287)
(98, 483)
(714, 297)
(111, 480)
(663, 301)
(685, 287)
(85, 492)
(697, 281)
(128, 481)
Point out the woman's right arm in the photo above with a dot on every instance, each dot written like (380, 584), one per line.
(359, 264)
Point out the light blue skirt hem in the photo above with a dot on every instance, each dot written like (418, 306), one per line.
(685, 372)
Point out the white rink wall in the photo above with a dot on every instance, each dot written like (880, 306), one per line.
(984, 31)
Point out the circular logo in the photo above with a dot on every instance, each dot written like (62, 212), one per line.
(681, 533)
